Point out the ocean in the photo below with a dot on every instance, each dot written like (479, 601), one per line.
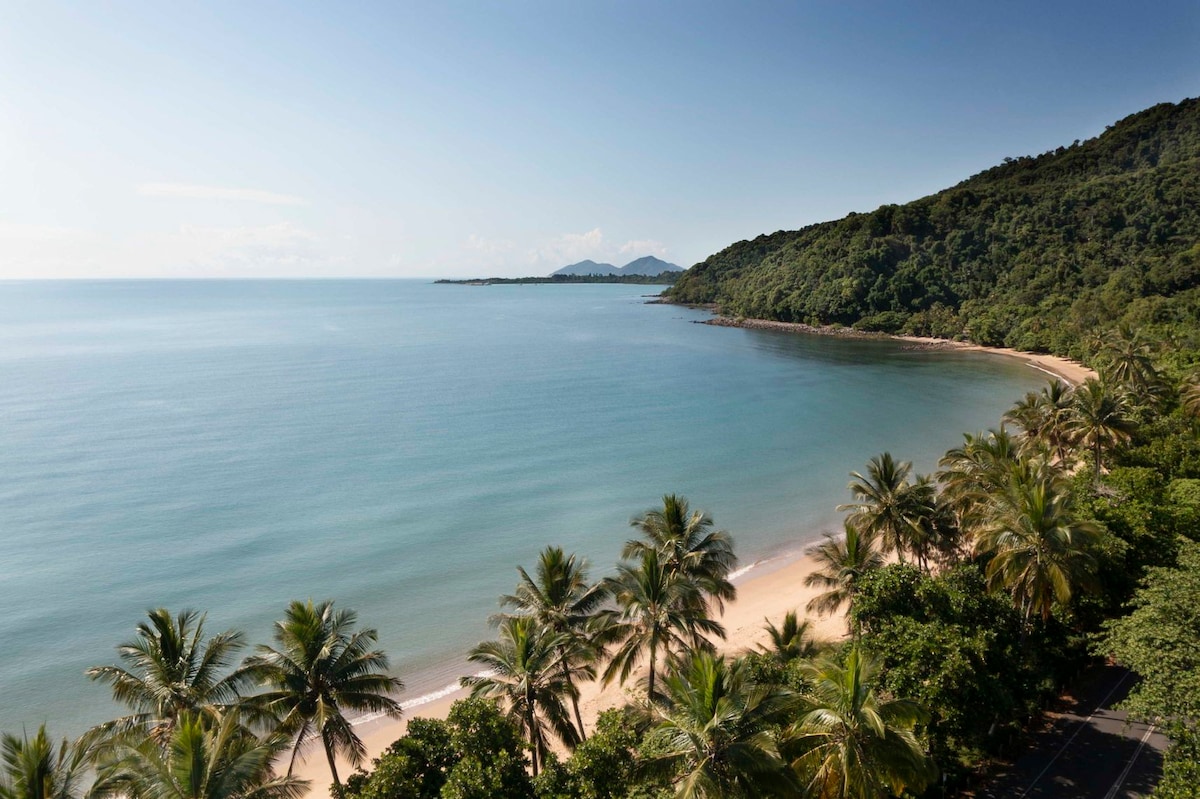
(401, 447)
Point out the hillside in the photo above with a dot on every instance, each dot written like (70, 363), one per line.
(1036, 253)
(645, 266)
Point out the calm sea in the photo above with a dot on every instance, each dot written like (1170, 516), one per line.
(401, 447)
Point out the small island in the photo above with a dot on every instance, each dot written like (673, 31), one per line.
(647, 270)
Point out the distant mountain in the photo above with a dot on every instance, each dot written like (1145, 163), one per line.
(588, 268)
(649, 265)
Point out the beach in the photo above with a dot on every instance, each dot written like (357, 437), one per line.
(767, 591)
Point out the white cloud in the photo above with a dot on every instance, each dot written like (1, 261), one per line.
(569, 248)
(191, 191)
(640, 247)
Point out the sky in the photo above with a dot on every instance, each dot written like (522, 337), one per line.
(455, 139)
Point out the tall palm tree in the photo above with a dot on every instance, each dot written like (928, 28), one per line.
(791, 640)
(36, 769)
(202, 760)
(523, 672)
(322, 669)
(713, 728)
(1044, 417)
(562, 600)
(1127, 358)
(886, 508)
(851, 743)
(687, 545)
(1101, 420)
(1189, 395)
(841, 561)
(169, 668)
(975, 471)
(659, 615)
(1039, 551)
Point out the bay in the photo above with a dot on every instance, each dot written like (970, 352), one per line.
(401, 447)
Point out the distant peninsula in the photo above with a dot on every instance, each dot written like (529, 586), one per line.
(647, 270)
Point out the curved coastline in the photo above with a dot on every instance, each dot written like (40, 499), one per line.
(1065, 369)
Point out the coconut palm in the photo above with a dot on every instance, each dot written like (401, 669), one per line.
(1039, 550)
(322, 669)
(562, 600)
(1044, 417)
(37, 769)
(203, 759)
(524, 673)
(659, 615)
(169, 668)
(687, 545)
(1101, 420)
(886, 508)
(851, 743)
(790, 640)
(975, 471)
(841, 563)
(1189, 395)
(712, 728)
(1127, 359)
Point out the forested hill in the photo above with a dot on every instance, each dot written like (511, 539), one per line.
(1037, 253)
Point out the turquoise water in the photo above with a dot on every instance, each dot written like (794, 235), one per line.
(401, 447)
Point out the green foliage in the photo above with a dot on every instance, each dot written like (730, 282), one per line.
(1036, 253)
(949, 644)
(475, 753)
(1181, 768)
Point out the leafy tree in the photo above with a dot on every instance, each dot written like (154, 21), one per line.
(849, 742)
(201, 760)
(168, 669)
(413, 767)
(562, 600)
(841, 563)
(606, 766)
(322, 669)
(523, 670)
(37, 769)
(659, 615)
(714, 726)
(491, 762)
(687, 546)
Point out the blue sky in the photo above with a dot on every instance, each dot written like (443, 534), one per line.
(270, 139)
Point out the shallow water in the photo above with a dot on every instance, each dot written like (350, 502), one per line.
(401, 447)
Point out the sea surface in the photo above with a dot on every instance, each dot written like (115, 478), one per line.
(401, 447)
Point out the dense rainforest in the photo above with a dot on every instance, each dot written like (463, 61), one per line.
(1037, 253)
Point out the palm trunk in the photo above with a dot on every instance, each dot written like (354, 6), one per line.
(337, 784)
(535, 738)
(574, 699)
(650, 682)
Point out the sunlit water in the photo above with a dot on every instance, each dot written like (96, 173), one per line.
(401, 447)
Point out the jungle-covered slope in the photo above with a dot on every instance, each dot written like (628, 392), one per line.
(1038, 253)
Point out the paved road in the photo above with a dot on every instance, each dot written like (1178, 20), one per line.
(1089, 751)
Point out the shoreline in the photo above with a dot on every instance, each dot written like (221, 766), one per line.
(767, 589)
(1064, 369)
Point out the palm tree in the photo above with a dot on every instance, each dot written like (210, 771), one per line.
(841, 561)
(1039, 551)
(524, 671)
(658, 614)
(1189, 394)
(687, 545)
(886, 508)
(169, 669)
(1127, 358)
(1101, 420)
(975, 471)
(562, 600)
(1045, 417)
(322, 669)
(202, 760)
(713, 730)
(851, 743)
(791, 640)
(35, 769)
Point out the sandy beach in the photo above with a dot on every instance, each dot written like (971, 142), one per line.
(767, 591)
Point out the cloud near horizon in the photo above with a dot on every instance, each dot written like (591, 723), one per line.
(191, 191)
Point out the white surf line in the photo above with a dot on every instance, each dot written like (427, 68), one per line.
(1075, 734)
(1050, 372)
(1112, 792)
